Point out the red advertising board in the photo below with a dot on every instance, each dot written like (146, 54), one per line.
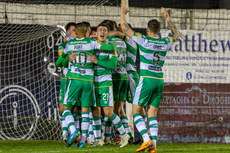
(195, 113)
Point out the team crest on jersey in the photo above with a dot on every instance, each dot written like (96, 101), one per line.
(98, 41)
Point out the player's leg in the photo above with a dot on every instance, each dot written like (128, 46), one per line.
(70, 99)
(117, 106)
(97, 125)
(141, 97)
(76, 119)
(123, 97)
(90, 132)
(60, 107)
(64, 125)
(152, 111)
(153, 126)
(107, 130)
(107, 103)
(143, 114)
(124, 120)
(118, 124)
(87, 101)
(102, 127)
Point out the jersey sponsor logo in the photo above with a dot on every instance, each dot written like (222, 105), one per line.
(120, 44)
(77, 42)
(159, 47)
(78, 47)
(154, 68)
(157, 41)
(120, 70)
(80, 71)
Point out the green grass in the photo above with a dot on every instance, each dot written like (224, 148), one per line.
(37, 146)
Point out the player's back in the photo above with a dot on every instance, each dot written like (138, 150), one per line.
(81, 68)
(152, 55)
(120, 71)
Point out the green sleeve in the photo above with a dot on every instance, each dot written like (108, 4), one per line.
(109, 47)
(60, 59)
(65, 62)
(110, 64)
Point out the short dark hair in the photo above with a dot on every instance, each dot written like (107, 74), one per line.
(81, 27)
(154, 26)
(87, 24)
(93, 28)
(103, 25)
(70, 24)
(110, 24)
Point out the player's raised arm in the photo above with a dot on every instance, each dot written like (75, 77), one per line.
(111, 63)
(124, 25)
(103, 46)
(173, 27)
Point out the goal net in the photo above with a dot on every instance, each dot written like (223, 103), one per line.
(29, 87)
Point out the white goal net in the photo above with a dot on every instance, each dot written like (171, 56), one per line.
(29, 86)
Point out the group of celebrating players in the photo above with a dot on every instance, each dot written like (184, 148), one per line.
(100, 76)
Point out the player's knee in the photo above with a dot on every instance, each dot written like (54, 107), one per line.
(96, 112)
(60, 108)
(108, 112)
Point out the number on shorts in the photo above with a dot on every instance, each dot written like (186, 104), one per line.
(105, 96)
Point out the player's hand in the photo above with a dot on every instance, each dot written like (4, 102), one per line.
(65, 40)
(165, 14)
(124, 10)
(93, 35)
(72, 57)
(92, 58)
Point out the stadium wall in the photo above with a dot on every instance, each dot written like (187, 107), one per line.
(52, 14)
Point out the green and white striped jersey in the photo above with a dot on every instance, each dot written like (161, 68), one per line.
(152, 54)
(103, 69)
(120, 73)
(131, 64)
(131, 59)
(81, 68)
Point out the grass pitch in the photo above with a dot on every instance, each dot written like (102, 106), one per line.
(37, 146)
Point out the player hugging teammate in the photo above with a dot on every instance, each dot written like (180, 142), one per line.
(101, 74)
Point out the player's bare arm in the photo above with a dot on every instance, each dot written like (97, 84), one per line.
(72, 57)
(92, 58)
(172, 25)
(124, 25)
(116, 34)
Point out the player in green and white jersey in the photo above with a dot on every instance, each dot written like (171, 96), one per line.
(105, 61)
(150, 87)
(131, 64)
(81, 77)
(70, 30)
(120, 77)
